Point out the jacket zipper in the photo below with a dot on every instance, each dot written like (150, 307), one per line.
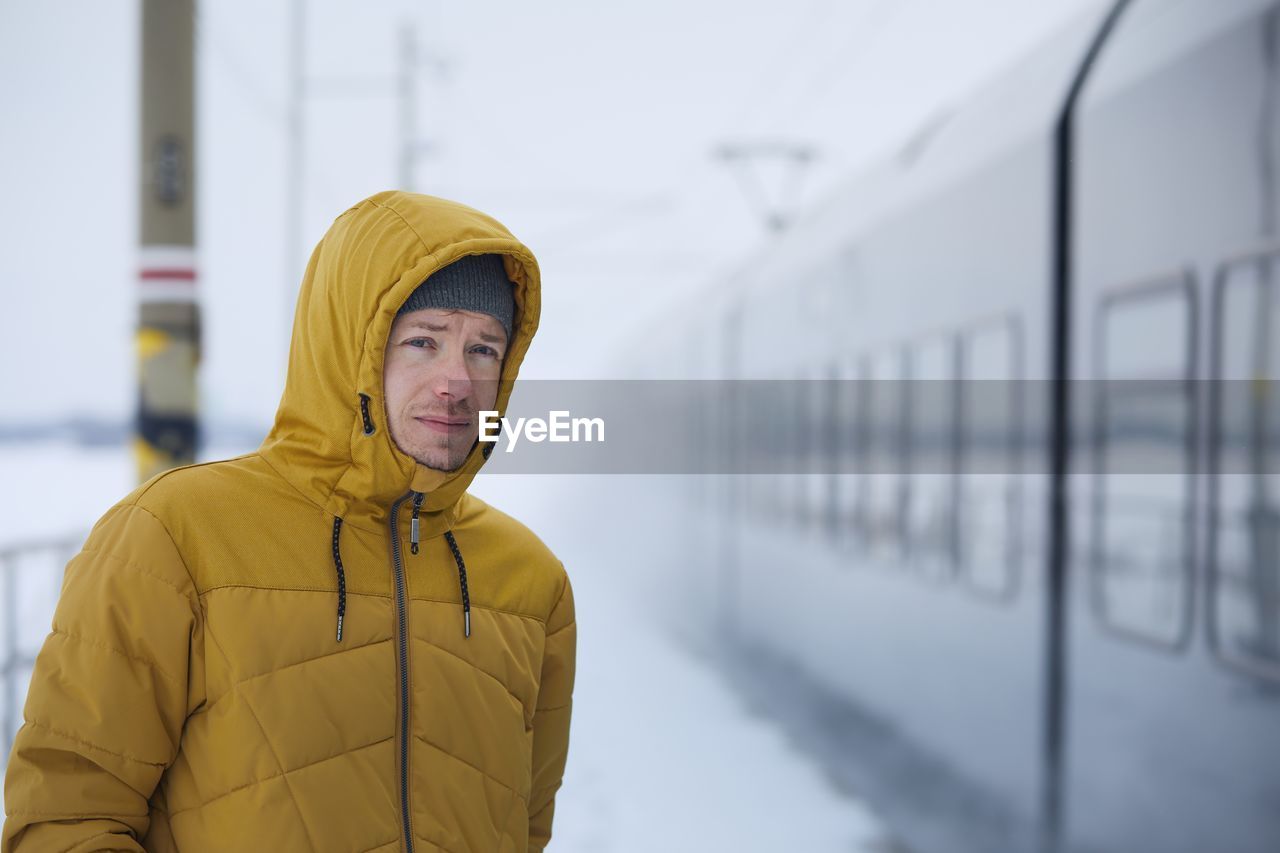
(402, 637)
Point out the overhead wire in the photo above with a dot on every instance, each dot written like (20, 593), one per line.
(773, 115)
(272, 110)
(764, 104)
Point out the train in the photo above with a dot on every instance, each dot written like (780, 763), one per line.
(1057, 624)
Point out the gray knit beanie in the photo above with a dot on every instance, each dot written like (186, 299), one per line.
(471, 283)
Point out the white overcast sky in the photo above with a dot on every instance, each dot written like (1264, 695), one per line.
(586, 127)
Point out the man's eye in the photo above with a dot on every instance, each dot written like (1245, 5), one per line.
(486, 351)
(414, 342)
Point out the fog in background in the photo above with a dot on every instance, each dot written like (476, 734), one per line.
(588, 129)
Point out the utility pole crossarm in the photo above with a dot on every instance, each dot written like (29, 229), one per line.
(742, 158)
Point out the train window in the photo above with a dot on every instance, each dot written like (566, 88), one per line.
(989, 500)
(1141, 513)
(818, 477)
(749, 413)
(735, 428)
(773, 426)
(767, 406)
(754, 409)
(784, 480)
(720, 442)
(930, 506)
(788, 391)
(699, 426)
(851, 450)
(885, 484)
(812, 465)
(822, 441)
(798, 445)
(1244, 539)
(785, 466)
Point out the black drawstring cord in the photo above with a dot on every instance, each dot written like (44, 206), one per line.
(457, 558)
(414, 531)
(462, 581)
(342, 577)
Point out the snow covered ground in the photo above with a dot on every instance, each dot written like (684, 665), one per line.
(663, 756)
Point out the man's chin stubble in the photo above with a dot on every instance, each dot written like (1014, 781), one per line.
(454, 463)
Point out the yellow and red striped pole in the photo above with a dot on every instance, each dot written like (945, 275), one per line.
(168, 332)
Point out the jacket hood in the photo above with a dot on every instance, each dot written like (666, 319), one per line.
(373, 256)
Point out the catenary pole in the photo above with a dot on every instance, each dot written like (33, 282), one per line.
(168, 333)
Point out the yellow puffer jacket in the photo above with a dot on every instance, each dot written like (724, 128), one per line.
(249, 656)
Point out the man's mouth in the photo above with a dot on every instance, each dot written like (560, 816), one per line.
(446, 425)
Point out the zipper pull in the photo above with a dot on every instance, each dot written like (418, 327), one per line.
(413, 524)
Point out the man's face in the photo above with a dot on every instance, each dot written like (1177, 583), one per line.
(441, 369)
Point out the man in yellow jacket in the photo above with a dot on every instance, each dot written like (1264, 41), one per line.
(326, 644)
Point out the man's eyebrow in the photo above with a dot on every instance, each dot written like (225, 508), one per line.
(430, 327)
(436, 327)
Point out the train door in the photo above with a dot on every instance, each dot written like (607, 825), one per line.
(1170, 745)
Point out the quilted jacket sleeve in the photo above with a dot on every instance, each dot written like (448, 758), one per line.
(551, 718)
(109, 694)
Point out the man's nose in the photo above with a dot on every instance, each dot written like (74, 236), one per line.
(452, 380)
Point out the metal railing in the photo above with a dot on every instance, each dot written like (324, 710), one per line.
(18, 561)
